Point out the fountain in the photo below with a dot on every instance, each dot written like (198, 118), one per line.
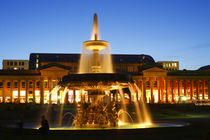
(96, 76)
(109, 94)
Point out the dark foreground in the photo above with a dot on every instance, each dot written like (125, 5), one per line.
(193, 132)
(198, 119)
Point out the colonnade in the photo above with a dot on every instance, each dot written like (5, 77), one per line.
(154, 90)
(25, 91)
(168, 90)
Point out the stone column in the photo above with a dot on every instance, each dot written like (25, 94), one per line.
(34, 82)
(26, 86)
(18, 91)
(11, 89)
(144, 90)
(3, 90)
(197, 88)
(158, 85)
(178, 81)
(50, 88)
(41, 91)
(74, 96)
(185, 85)
(162, 89)
(172, 90)
(191, 91)
(151, 91)
(166, 90)
(203, 89)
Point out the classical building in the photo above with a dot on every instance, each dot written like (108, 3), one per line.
(15, 64)
(157, 84)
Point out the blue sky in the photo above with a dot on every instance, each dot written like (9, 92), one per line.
(168, 30)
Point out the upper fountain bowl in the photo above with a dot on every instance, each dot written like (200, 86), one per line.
(95, 44)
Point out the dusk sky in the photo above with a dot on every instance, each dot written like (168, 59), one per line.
(168, 30)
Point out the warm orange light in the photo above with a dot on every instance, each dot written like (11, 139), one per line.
(120, 123)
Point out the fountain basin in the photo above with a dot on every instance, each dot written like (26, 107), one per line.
(123, 127)
(130, 126)
(96, 44)
(95, 81)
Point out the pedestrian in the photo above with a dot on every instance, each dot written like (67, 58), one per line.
(44, 129)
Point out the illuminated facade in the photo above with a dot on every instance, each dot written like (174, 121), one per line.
(156, 84)
(169, 65)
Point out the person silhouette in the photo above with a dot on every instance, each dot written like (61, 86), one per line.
(44, 126)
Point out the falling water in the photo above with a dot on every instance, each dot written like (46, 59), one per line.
(64, 95)
(60, 118)
(136, 103)
(125, 113)
(106, 61)
(123, 106)
(145, 111)
(54, 91)
(86, 61)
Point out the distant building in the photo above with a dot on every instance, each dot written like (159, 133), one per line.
(169, 65)
(158, 82)
(205, 68)
(15, 64)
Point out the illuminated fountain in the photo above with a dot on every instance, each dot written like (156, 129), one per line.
(107, 104)
(105, 98)
(97, 79)
(95, 57)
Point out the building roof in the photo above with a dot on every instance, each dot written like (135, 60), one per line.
(15, 60)
(55, 65)
(166, 61)
(125, 58)
(149, 65)
(118, 58)
(19, 72)
(55, 57)
(60, 57)
(189, 73)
